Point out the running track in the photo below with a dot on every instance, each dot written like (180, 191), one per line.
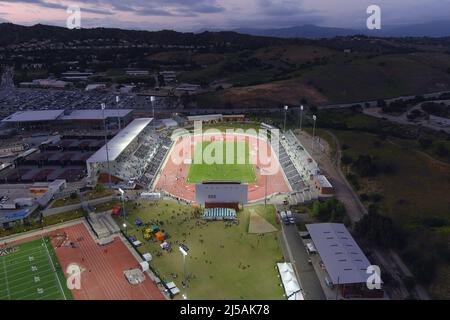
(102, 268)
(173, 176)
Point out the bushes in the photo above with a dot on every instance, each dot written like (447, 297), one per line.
(379, 231)
(331, 210)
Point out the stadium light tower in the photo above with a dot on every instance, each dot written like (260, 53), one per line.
(152, 101)
(118, 112)
(314, 131)
(122, 199)
(184, 251)
(103, 105)
(285, 114)
(301, 117)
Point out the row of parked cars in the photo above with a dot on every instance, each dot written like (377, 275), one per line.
(287, 217)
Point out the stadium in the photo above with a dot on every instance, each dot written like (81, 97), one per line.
(265, 168)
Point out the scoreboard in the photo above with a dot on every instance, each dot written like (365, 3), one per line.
(221, 192)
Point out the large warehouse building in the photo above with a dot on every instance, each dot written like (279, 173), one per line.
(345, 264)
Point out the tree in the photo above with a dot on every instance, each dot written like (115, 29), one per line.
(441, 150)
(379, 230)
(365, 166)
(99, 187)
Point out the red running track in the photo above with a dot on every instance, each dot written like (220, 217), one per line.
(102, 268)
(173, 176)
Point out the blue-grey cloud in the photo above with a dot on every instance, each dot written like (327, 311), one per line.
(230, 14)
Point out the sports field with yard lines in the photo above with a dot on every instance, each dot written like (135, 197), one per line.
(31, 271)
(222, 160)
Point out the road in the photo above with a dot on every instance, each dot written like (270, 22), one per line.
(330, 166)
(293, 246)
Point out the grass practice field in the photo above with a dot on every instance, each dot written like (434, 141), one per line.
(32, 273)
(224, 261)
(222, 160)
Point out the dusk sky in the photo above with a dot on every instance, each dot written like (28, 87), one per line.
(192, 15)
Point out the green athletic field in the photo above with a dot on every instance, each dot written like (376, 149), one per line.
(32, 273)
(233, 162)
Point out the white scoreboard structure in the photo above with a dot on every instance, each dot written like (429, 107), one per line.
(221, 193)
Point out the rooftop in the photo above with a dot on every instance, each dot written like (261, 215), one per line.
(206, 117)
(323, 181)
(96, 114)
(343, 258)
(121, 141)
(29, 116)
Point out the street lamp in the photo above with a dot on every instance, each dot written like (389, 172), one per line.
(301, 117)
(285, 114)
(314, 131)
(184, 251)
(103, 106)
(125, 227)
(118, 112)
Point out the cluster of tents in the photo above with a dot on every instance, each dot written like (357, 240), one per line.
(291, 287)
(154, 231)
(219, 214)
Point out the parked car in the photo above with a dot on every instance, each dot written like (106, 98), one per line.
(290, 217)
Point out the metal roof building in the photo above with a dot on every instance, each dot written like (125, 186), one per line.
(121, 141)
(341, 255)
(96, 114)
(206, 117)
(34, 116)
(66, 115)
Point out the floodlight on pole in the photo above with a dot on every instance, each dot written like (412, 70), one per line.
(314, 131)
(152, 101)
(285, 114)
(122, 198)
(118, 112)
(301, 117)
(184, 252)
(103, 106)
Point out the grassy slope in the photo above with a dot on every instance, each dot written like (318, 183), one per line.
(418, 189)
(342, 79)
(217, 254)
(418, 180)
(383, 76)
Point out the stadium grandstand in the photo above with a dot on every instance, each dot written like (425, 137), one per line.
(134, 155)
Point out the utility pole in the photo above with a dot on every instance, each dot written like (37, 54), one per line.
(106, 144)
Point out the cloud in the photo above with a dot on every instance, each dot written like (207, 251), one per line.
(228, 14)
(59, 5)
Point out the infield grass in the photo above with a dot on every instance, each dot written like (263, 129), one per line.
(221, 160)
